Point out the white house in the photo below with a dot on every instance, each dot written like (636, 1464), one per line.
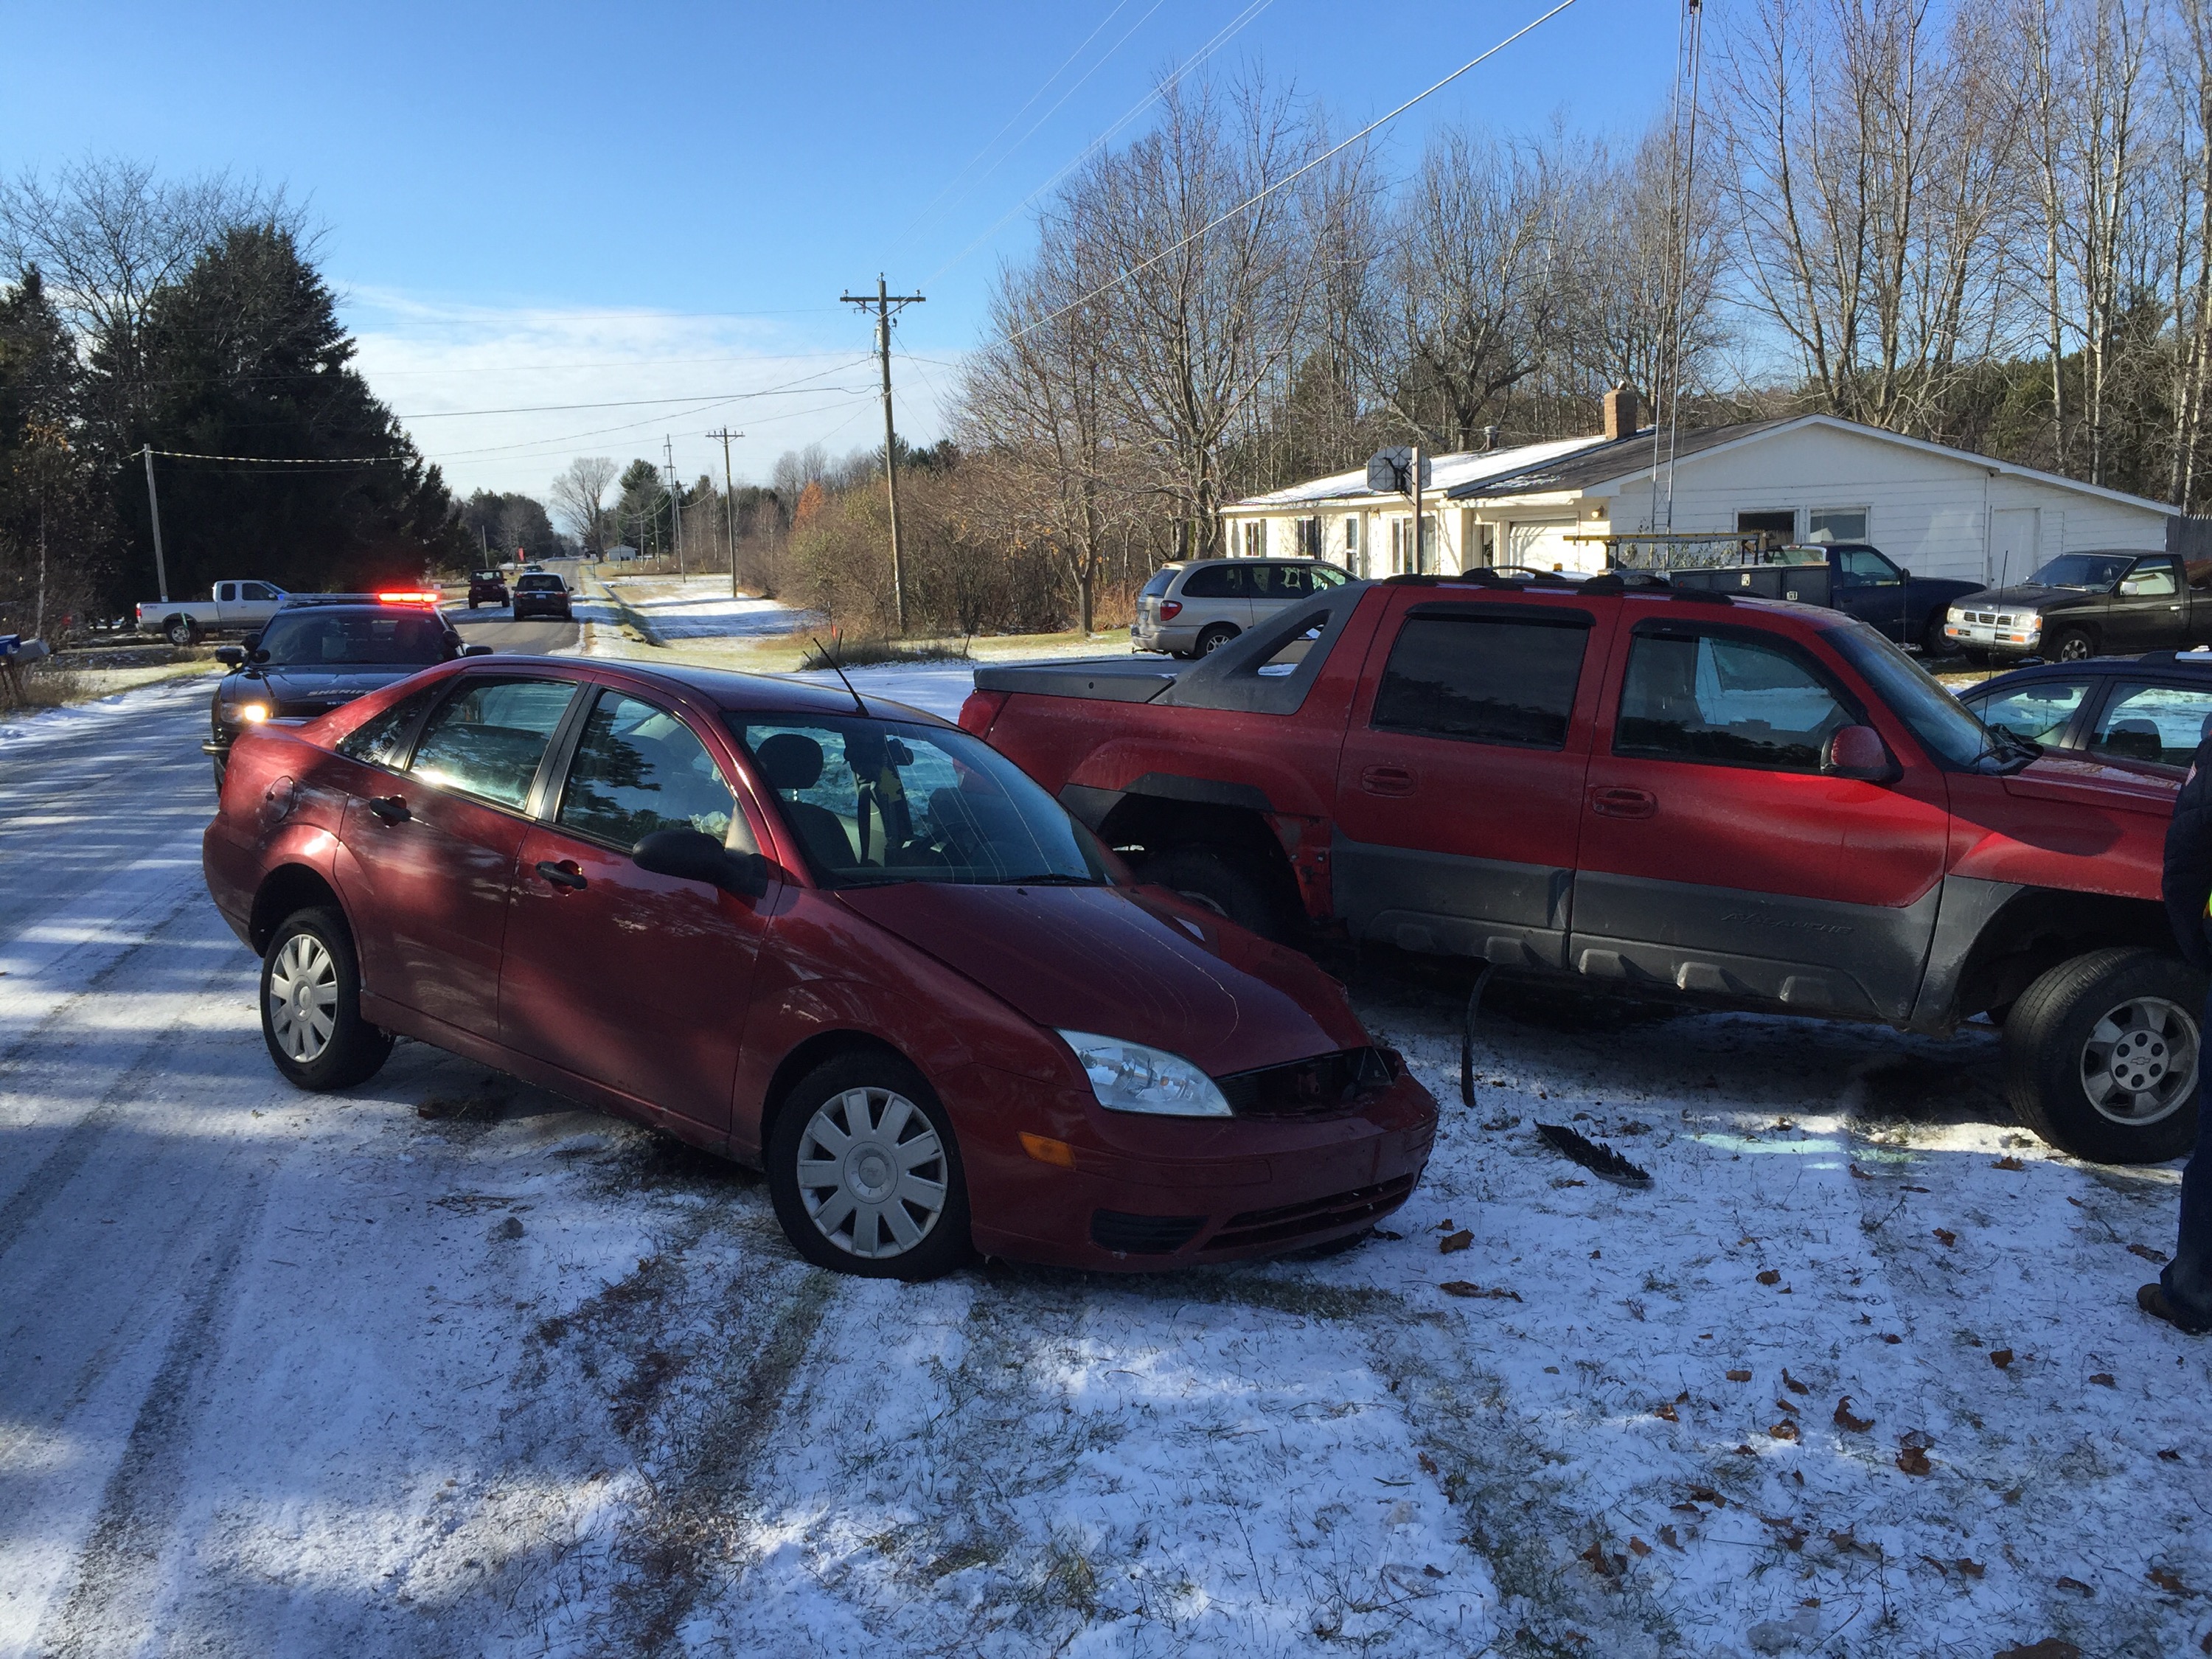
(1938, 511)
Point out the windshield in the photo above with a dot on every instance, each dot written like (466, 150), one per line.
(880, 801)
(1944, 725)
(537, 584)
(1161, 582)
(2093, 571)
(323, 639)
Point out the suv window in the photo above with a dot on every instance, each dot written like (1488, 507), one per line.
(1161, 582)
(488, 740)
(1724, 701)
(1486, 680)
(381, 739)
(1216, 581)
(639, 768)
(539, 585)
(2152, 722)
(2038, 711)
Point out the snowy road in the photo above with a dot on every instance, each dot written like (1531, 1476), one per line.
(446, 1365)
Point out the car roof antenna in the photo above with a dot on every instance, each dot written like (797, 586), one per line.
(830, 658)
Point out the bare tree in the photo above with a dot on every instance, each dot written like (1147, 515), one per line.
(579, 497)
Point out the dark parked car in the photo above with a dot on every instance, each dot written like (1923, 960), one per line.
(320, 654)
(1855, 578)
(2150, 708)
(852, 946)
(541, 595)
(486, 588)
(2081, 605)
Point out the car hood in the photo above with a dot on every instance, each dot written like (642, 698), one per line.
(1141, 966)
(2025, 596)
(309, 690)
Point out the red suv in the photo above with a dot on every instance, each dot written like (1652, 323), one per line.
(840, 940)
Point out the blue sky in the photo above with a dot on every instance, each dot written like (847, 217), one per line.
(570, 204)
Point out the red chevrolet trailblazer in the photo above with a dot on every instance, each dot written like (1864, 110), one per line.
(839, 939)
(1731, 803)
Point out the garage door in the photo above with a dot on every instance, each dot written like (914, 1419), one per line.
(1541, 546)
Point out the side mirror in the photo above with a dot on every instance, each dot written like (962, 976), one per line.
(257, 655)
(2131, 587)
(251, 640)
(1857, 752)
(476, 650)
(231, 655)
(692, 855)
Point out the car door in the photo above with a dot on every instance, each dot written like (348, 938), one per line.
(638, 982)
(1715, 853)
(432, 854)
(2147, 607)
(1868, 586)
(1459, 792)
(2152, 720)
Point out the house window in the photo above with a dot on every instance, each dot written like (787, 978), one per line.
(1780, 525)
(1836, 523)
(1308, 535)
(1255, 538)
(1351, 534)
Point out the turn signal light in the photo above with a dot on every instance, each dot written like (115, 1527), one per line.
(1171, 609)
(1057, 1153)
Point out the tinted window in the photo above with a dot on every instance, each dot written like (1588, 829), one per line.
(539, 584)
(1162, 579)
(1735, 702)
(256, 590)
(382, 738)
(2152, 722)
(1215, 582)
(1489, 679)
(879, 801)
(488, 740)
(638, 768)
(1281, 581)
(311, 639)
(2038, 711)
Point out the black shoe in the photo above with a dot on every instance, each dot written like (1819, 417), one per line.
(2152, 1299)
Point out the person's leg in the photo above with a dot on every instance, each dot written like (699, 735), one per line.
(2187, 1279)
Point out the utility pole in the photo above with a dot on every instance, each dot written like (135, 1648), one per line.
(729, 506)
(1421, 562)
(883, 300)
(154, 506)
(675, 504)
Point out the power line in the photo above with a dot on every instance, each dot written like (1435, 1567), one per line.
(1260, 196)
(792, 391)
(286, 460)
(554, 446)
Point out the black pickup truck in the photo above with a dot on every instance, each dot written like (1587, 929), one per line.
(2090, 604)
(1852, 577)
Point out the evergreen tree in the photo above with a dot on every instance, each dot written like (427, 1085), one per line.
(51, 522)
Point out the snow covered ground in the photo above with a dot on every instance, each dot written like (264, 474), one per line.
(445, 1365)
(701, 608)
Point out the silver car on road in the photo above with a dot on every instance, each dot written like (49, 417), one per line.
(1188, 609)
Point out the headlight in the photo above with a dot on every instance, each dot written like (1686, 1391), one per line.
(2031, 625)
(1954, 615)
(245, 714)
(1129, 1077)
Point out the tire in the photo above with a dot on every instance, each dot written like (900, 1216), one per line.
(181, 631)
(1224, 882)
(1932, 642)
(313, 949)
(900, 1112)
(472, 602)
(1213, 639)
(2072, 645)
(2061, 1036)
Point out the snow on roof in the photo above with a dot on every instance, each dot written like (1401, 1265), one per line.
(1446, 472)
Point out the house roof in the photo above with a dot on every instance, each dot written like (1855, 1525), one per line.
(1462, 470)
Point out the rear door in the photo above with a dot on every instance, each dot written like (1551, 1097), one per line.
(1459, 792)
(1217, 593)
(1868, 586)
(636, 981)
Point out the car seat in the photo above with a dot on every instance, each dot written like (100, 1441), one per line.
(2134, 740)
(790, 762)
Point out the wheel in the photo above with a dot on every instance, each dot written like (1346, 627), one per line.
(2100, 1056)
(1214, 638)
(472, 601)
(2074, 645)
(311, 1005)
(1224, 882)
(1932, 641)
(181, 631)
(865, 1171)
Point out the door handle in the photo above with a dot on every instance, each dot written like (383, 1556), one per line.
(391, 809)
(563, 874)
(1388, 781)
(1611, 803)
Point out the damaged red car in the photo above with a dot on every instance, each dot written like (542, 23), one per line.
(833, 938)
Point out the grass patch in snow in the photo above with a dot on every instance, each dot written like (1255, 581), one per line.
(869, 654)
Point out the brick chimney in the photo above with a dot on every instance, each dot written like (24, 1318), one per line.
(1622, 416)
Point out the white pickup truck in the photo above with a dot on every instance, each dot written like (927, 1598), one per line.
(233, 608)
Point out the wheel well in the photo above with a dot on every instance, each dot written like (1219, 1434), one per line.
(816, 1050)
(1151, 824)
(2037, 930)
(289, 887)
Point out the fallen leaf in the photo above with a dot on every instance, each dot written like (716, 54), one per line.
(2169, 1581)
(1707, 1495)
(1683, 1398)
(1428, 1464)
(2171, 1454)
(2075, 1584)
(1783, 1405)
(1912, 1190)
(1857, 1174)
(2000, 1358)
(1669, 1537)
(1948, 1237)
(1792, 1383)
(1667, 1412)
(1686, 1508)
(1785, 1430)
(1769, 1276)
(1939, 1566)
(2007, 1164)
(1495, 1293)
(1913, 1460)
(1606, 1566)
(2149, 1253)
(1972, 1569)
(1739, 1376)
(1744, 1451)
(1639, 1547)
(1462, 1240)
(1845, 1420)
(1887, 1337)
(2105, 1379)
(2075, 1202)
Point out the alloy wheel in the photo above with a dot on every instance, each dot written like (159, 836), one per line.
(2140, 1061)
(303, 998)
(872, 1172)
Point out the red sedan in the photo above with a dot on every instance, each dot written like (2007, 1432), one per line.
(840, 940)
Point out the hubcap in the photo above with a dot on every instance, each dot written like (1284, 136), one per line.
(871, 1173)
(303, 998)
(2073, 649)
(2140, 1061)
